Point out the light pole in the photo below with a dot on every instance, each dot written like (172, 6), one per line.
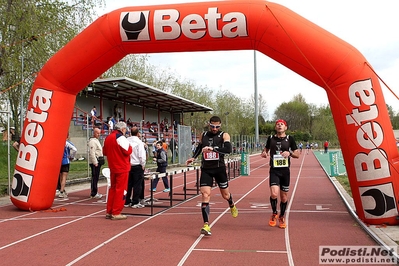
(22, 90)
(28, 42)
(256, 101)
(227, 125)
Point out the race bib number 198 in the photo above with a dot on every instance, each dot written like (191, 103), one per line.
(279, 161)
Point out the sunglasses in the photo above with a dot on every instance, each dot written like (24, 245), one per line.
(213, 126)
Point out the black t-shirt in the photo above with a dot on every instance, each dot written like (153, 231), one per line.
(212, 159)
(277, 145)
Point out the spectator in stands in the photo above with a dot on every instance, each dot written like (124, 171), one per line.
(69, 153)
(154, 126)
(162, 162)
(164, 145)
(15, 145)
(154, 149)
(162, 126)
(15, 138)
(5, 135)
(136, 174)
(193, 147)
(166, 126)
(117, 112)
(129, 123)
(12, 135)
(173, 149)
(93, 115)
(118, 150)
(111, 124)
(96, 160)
(128, 131)
(146, 147)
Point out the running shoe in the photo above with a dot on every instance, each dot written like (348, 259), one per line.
(166, 190)
(138, 206)
(63, 194)
(234, 211)
(273, 219)
(281, 223)
(97, 196)
(119, 217)
(206, 230)
(108, 216)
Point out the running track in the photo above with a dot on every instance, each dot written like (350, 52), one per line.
(76, 232)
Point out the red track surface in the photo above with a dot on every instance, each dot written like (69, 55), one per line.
(79, 234)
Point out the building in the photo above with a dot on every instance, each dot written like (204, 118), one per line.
(136, 102)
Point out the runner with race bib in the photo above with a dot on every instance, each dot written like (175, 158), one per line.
(281, 147)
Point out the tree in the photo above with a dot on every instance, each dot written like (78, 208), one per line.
(296, 113)
(393, 117)
(135, 67)
(262, 106)
(323, 127)
(30, 33)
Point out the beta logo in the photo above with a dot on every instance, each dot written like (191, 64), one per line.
(167, 26)
(378, 201)
(134, 26)
(21, 184)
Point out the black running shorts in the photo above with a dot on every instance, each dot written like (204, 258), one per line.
(219, 174)
(280, 177)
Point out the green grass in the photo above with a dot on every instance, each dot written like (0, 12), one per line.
(344, 181)
(78, 169)
(4, 166)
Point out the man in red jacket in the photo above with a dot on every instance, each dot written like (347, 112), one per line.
(118, 150)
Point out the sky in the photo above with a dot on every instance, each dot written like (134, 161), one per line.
(372, 27)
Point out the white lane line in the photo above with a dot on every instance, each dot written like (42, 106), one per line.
(287, 235)
(116, 236)
(23, 217)
(192, 248)
(123, 232)
(241, 250)
(19, 217)
(48, 230)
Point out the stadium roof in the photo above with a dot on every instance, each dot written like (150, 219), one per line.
(122, 89)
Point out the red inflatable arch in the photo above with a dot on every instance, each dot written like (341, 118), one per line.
(354, 92)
